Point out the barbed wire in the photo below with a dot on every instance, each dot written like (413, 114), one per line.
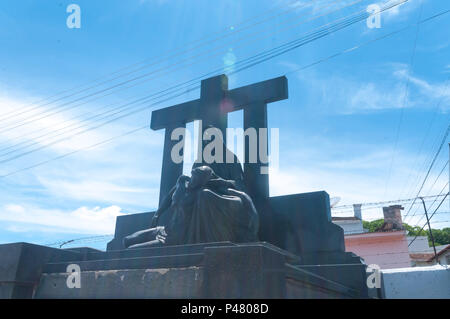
(441, 192)
(81, 239)
(429, 218)
(362, 255)
(100, 238)
(407, 200)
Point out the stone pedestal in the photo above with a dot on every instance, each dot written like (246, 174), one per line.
(21, 266)
(212, 270)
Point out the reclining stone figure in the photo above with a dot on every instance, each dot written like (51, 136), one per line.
(210, 206)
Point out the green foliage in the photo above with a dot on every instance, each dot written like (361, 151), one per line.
(441, 236)
(415, 230)
(373, 225)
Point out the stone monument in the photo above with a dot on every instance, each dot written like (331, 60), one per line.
(297, 252)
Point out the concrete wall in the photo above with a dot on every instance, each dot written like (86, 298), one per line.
(350, 226)
(416, 282)
(444, 259)
(419, 245)
(120, 284)
(385, 249)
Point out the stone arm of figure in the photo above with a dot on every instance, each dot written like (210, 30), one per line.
(174, 195)
(220, 183)
(180, 190)
(167, 201)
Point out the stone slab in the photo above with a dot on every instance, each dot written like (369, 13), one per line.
(250, 271)
(21, 265)
(345, 268)
(213, 270)
(430, 282)
(301, 224)
(154, 251)
(171, 261)
(306, 278)
(125, 284)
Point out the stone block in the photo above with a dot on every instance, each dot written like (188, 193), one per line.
(22, 264)
(250, 271)
(125, 284)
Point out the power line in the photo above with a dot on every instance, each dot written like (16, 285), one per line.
(145, 75)
(439, 175)
(146, 80)
(405, 98)
(75, 151)
(130, 132)
(296, 43)
(143, 99)
(87, 129)
(61, 242)
(431, 165)
(429, 219)
(430, 124)
(102, 238)
(184, 50)
(382, 203)
(91, 128)
(434, 183)
(407, 200)
(396, 252)
(427, 160)
(445, 186)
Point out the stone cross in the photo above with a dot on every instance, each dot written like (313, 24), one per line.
(213, 106)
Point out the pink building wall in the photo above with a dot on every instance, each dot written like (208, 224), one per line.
(386, 249)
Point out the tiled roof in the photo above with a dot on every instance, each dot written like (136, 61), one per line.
(344, 218)
(440, 253)
(423, 257)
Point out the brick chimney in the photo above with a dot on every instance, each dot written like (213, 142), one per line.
(357, 211)
(393, 217)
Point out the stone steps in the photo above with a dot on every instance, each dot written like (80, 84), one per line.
(154, 262)
(212, 270)
(154, 252)
(147, 258)
(141, 258)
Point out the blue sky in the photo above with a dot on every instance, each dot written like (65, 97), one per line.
(338, 129)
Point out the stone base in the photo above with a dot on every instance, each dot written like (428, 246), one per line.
(122, 284)
(180, 283)
(212, 270)
(21, 266)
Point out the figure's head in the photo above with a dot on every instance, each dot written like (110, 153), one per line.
(200, 176)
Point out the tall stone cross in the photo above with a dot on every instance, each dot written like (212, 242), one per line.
(213, 106)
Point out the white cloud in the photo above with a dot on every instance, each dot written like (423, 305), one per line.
(85, 220)
(37, 123)
(356, 176)
(401, 11)
(356, 96)
(85, 189)
(355, 180)
(434, 91)
(371, 96)
(350, 187)
(320, 6)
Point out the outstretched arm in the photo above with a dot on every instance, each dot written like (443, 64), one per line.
(167, 201)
